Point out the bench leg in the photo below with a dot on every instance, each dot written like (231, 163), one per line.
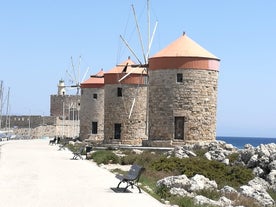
(119, 184)
(138, 188)
(132, 184)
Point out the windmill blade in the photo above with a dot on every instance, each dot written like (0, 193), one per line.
(131, 50)
(151, 40)
(70, 76)
(132, 70)
(78, 78)
(125, 68)
(131, 109)
(85, 74)
(74, 78)
(139, 34)
(148, 9)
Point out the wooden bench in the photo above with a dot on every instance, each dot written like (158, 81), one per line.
(78, 153)
(132, 177)
(62, 146)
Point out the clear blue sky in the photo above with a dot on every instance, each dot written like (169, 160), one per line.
(38, 38)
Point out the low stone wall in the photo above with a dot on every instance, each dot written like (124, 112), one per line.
(37, 132)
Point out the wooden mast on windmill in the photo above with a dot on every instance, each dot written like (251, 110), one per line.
(126, 92)
(143, 64)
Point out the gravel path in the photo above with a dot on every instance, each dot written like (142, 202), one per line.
(36, 174)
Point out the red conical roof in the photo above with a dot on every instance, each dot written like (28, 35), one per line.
(184, 53)
(94, 80)
(126, 72)
(126, 67)
(184, 47)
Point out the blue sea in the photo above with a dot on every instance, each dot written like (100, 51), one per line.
(239, 142)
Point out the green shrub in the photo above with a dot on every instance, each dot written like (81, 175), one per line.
(221, 173)
(129, 159)
(147, 157)
(209, 193)
(163, 191)
(159, 166)
(185, 202)
(105, 157)
(241, 200)
(233, 157)
(200, 152)
(272, 194)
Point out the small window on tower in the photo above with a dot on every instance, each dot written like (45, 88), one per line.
(117, 131)
(119, 92)
(179, 78)
(94, 127)
(95, 96)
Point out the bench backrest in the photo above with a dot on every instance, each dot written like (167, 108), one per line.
(135, 172)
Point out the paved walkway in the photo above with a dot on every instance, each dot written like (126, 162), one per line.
(35, 174)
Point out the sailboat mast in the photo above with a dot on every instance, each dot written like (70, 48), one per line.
(148, 7)
(7, 109)
(1, 102)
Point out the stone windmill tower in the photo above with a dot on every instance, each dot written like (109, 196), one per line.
(183, 79)
(92, 110)
(125, 104)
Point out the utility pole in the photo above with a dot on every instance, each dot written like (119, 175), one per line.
(8, 110)
(1, 102)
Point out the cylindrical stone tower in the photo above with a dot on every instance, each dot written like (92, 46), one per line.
(92, 108)
(125, 104)
(183, 80)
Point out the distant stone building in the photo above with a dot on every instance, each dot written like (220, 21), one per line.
(183, 81)
(125, 102)
(65, 105)
(66, 108)
(92, 108)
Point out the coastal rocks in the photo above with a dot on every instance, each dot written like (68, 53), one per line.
(195, 183)
(223, 201)
(259, 194)
(182, 152)
(259, 172)
(181, 181)
(215, 155)
(181, 192)
(199, 182)
(271, 177)
(217, 150)
(259, 184)
(182, 186)
(228, 190)
(272, 165)
(261, 159)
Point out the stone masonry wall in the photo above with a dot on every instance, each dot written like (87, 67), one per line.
(195, 99)
(58, 102)
(67, 128)
(36, 132)
(92, 110)
(117, 110)
(25, 121)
